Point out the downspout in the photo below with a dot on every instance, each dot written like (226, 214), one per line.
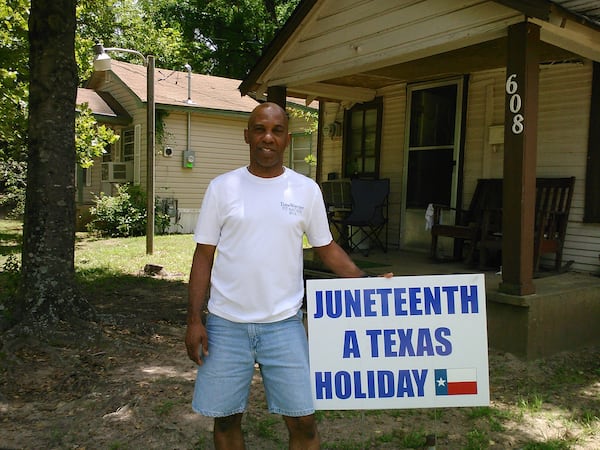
(189, 102)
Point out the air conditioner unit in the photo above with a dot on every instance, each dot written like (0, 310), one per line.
(117, 172)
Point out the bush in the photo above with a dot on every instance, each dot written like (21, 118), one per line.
(12, 187)
(123, 215)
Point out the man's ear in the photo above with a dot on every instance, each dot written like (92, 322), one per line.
(246, 136)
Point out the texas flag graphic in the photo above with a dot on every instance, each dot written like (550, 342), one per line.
(455, 381)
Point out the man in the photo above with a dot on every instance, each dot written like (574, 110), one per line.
(255, 218)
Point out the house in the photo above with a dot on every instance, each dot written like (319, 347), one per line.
(199, 123)
(435, 95)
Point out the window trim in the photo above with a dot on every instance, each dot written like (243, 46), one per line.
(377, 105)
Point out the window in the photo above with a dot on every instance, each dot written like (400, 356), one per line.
(128, 145)
(362, 140)
(300, 149)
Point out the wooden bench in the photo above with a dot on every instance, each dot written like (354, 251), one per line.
(467, 226)
(552, 205)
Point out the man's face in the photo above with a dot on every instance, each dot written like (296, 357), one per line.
(267, 135)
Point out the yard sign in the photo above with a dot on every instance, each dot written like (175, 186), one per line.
(401, 342)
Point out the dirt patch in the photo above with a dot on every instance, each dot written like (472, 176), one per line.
(125, 383)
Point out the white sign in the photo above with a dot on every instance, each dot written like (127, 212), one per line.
(402, 342)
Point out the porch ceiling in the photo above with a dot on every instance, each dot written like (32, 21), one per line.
(483, 56)
(346, 50)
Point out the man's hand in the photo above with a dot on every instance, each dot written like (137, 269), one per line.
(196, 337)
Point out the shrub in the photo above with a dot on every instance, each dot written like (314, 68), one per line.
(122, 215)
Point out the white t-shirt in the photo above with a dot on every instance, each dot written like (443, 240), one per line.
(257, 225)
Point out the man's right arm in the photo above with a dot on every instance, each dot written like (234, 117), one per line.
(196, 336)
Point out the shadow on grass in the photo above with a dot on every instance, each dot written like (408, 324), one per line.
(10, 242)
(139, 296)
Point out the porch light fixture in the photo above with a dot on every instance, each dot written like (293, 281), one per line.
(102, 62)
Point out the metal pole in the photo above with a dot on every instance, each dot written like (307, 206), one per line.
(150, 141)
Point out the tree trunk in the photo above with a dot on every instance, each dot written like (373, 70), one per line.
(48, 287)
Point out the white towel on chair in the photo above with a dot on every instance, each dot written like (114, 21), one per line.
(429, 217)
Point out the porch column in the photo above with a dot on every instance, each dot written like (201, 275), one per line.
(520, 147)
(277, 94)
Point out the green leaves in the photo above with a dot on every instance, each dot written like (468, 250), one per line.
(91, 139)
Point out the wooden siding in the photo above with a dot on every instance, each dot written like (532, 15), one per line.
(392, 156)
(485, 108)
(564, 105)
(219, 146)
(562, 150)
(331, 161)
(347, 36)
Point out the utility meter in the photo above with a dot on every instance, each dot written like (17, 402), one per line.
(189, 157)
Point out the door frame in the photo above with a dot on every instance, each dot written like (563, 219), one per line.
(461, 83)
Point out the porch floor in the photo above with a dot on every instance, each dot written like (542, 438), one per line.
(562, 315)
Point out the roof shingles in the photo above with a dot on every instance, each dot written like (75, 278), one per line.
(171, 88)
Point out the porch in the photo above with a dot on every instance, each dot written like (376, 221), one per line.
(562, 315)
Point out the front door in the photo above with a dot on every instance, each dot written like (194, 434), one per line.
(433, 137)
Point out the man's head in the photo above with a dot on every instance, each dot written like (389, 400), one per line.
(267, 135)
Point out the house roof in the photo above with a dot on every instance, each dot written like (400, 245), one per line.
(588, 10)
(345, 54)
(205, 92)
(171, 88)
(104, 107)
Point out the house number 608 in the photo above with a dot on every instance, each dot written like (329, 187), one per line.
(515, 104)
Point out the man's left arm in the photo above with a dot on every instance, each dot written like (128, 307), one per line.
(338, 261)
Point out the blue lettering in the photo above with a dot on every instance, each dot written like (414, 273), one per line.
(432, 300)
(343, 385)
(374, 335)
(405, 384)
(406, 347)
(378, 384)
(323, 385)
(389, 341)
(424, 343)
(371, 383)
(400, 301)
(385, 307)
(414, 301)
(369, 303)
(352, 303)
(334, 310)
(420, 380)
(358, 393)
(450, 291)
(319, 305)
(445, 347)
(385, 383)
(468, 296)
(351, 345)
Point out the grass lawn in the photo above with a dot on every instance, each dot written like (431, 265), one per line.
(124, 381)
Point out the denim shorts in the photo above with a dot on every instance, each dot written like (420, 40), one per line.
(281, 351)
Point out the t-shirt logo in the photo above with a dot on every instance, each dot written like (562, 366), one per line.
(291, 209)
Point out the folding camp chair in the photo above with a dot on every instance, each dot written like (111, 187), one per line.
(369, 215)
(338, 202)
